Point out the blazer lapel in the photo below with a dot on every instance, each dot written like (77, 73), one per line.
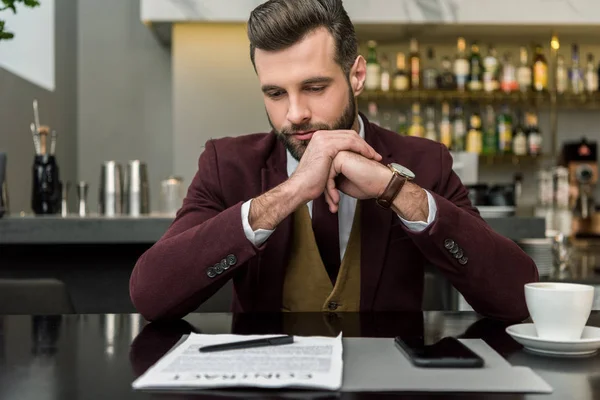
(274, 258)
(375, 230)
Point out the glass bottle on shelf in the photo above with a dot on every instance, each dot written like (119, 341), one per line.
(474, 137)
(387, 121)
(401, 82)
(458, 129)
(490, 71)
(445, 126)
(385, 73)
(373, 68)
(415, 65)
(490, 139)
(504, 127)
(402, 124)
(534, 136)
(416, 126)
(523, 71)
(575, 75)
(461, 65)
(591, 78)
(430, 74)
(475, 69)
(446, 80)
(540, 70)
(430, 132)
(373, 113)
(519, 145)
(562, 75)
(508, 81)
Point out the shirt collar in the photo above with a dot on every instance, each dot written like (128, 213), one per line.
(292, 163)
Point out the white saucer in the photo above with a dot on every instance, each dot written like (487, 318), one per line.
(526, 335)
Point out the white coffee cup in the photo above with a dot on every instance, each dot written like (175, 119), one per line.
(559, 310)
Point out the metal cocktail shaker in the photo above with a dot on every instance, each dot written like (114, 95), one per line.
(137, 193)
(111, 189)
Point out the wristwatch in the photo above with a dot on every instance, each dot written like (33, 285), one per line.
(399, 177)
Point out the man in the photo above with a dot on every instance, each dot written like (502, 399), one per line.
(328, 212)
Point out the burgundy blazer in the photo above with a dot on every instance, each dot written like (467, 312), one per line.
(206, 246)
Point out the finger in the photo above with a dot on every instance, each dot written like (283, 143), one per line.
(330, 202)
(349, 140)
(332, 191)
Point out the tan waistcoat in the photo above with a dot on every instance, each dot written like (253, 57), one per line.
(307, 286)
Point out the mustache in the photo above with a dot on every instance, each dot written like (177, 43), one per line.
(290, 130)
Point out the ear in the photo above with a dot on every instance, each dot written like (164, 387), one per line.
(358, 75)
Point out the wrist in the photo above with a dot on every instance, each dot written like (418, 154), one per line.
(411, 203)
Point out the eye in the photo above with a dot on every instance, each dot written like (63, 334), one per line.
(275, 94)
(315, 89)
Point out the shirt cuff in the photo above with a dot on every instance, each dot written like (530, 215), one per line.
(257, 237)
(418, 226)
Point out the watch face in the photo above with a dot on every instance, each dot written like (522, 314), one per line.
(403, 171)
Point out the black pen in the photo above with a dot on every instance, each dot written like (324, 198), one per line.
(274, 341)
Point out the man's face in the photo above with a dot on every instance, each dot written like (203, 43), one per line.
(305, 90)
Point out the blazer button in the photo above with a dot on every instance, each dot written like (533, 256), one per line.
(332, 305)
(211, 272)
(459, 254)
(224, 264)
(463, 260)
(454, 249)
(218, 269)
(448, 243)
(231, 260)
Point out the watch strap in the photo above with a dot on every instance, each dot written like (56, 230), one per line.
(392, 189)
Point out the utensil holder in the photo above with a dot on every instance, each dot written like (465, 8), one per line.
(46, 187)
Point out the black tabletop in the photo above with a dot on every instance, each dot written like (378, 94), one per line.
(99, 356)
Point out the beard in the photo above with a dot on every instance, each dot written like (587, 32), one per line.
(298, 147)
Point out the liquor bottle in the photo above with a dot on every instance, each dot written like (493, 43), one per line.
(385, 73)
(591, 78)
(562, 75)
(508, 82)
(373, 113)
(458, 129)
(475, 69)
(490, 71)
(534, 136)
(416, 126)
(373, 80)
(575, 75)
(445, 126)
(430, 132)
(474, 137)
(401, 82)
(387, 121)
(415, 65)
(490, 139)
(446, 80)
(540, 70)
(461, 65)
(519, 143)
(523, 71)
(504, 131)
(402, 124)
(430, 74)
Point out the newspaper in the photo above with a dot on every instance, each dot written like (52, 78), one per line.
(309, 362)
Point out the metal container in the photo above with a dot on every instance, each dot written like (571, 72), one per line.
(111, 189)
(82, 190)
(171, 195)
(137, 192)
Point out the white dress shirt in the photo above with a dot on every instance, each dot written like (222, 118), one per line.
(346, 209)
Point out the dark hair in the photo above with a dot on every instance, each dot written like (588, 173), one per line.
(278, 24)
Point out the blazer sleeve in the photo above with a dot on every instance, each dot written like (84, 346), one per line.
(492, 270)
(181, 270)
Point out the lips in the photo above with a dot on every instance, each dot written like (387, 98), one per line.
(304, 135)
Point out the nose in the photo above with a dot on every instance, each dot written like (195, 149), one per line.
(298, 111)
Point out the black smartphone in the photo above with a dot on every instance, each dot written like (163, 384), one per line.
(449, 352)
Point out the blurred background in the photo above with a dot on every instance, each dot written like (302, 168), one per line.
(105, 108)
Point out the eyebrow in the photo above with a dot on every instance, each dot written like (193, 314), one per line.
(309, 81)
